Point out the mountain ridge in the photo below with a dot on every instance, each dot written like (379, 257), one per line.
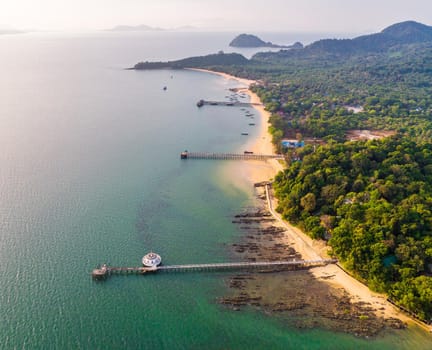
(393, 36)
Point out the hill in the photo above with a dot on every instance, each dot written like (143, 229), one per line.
(249, 40)
(393, 37)
(409, 31)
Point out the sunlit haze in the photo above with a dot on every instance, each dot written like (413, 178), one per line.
(342, 16)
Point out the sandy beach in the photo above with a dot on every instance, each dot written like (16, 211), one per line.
(309, 249)
(254, 171)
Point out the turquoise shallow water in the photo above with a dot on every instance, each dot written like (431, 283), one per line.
(90, 173)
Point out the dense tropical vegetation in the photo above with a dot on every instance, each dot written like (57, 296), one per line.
(219, 59)
(371, 199)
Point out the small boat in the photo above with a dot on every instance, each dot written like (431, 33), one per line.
(248, 152)
(251, 124)
(244, 133)
(164, 88)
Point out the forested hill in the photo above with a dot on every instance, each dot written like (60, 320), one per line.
(249, 40)
(393, 37)
(398, 34)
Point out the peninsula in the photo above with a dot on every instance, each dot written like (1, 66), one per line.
(213, 60)
(362, 183)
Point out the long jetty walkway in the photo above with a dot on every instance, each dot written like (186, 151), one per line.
(201, 103)
(248, 265)
(105, 270)
(229, 156)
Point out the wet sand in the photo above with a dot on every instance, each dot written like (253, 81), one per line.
(308, 298)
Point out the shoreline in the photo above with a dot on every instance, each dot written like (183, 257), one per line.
(294, 237)
(262, 144)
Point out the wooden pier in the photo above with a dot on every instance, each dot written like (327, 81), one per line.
(105, 270)
(296, 264)
(229, 156)
(201, 103)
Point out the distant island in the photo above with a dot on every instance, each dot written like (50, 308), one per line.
(11, 31)
(249, 40)
(145, 28)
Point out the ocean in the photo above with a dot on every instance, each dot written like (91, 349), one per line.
(90, 173)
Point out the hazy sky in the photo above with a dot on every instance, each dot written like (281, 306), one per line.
(349, 16)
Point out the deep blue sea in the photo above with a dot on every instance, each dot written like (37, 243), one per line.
(90, 173)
